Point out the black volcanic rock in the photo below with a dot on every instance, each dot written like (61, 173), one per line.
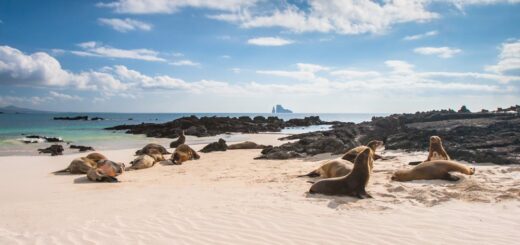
(82, 148)
(72, 118)
(54, 150)
(47, 139)
(211, 126)
(220, 145)
(478, 137)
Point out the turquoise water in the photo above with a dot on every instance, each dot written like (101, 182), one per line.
(13, 127)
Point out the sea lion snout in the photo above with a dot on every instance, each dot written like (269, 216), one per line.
(471, 170)
(435, 139)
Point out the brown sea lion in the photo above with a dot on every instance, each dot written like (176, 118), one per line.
(96, 156)
(79, 166)
(245, 145)
(146, 149)
(183, 153)
(106, 171)
(353, 184)
(181, 140)
(332, 168)
(142, 162)
(438, 169)
(352, 153)
(435, 152)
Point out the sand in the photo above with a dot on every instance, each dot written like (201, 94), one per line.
(229, 198)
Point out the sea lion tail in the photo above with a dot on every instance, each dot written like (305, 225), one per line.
(61, 171)
(311, 174)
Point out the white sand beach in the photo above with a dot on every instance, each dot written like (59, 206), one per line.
(229, 198)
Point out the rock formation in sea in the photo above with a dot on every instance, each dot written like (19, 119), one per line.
(280, 109)
(211, 126)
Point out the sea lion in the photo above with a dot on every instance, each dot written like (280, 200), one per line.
(220, 145)
(96, 156)
(106, 171)
(146, 149)
(354, 183)
(435, 152)
(438, 169)
(332, 168)
(352, 153)
(181, 140)
(142, 162)
(245, 145)
(183, 153)
(79, 166)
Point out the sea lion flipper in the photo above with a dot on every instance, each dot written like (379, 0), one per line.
(415, 163)
(62, 171)
(311, 174)
(450, 177)
(109, 179)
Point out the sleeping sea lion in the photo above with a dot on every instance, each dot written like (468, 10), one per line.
(183, 153)
(181, 140)
(245, 145)
(438, 169)
(141, 162)
(96, 156)
(331, 168)
(373, 145)
(435, 152)
(79, 166)
(353, 184)
(107, 171)
(146, 149)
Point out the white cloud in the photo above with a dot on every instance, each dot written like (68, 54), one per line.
(184, 63)
(399, 66)
(39, 68)
(269, 41)
(225, 57)
(95, 49)
(354, 74)
(309, 79)
(125, 25)
(236, 70)
(509, 59)
(170, 6)
(63, 96)
(421, 36)
(305, 72)
(340, 16)
(441, 52)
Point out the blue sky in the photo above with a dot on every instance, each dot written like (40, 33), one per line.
(246, 55)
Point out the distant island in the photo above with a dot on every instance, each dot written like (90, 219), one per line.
(280, 109)
(16, 110)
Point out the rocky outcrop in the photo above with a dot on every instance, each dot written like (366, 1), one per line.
(78, 118)
(211, 126)
(72, 118)
(479, 137)
(82, 148)
(40, 139)
(220, 145)
(54, 150)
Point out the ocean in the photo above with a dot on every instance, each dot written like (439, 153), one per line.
(13, 128)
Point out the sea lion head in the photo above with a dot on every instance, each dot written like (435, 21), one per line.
(364, 157)
(106, 171)
(400, 175)
(435, 140)
(374, 144)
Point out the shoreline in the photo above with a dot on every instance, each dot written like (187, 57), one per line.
(229, 198)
